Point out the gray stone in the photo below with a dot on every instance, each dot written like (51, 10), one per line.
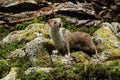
(33, 48)
(31, 32)
(116, 28)
(110, 42)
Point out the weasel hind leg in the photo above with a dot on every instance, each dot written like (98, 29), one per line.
(94, 49)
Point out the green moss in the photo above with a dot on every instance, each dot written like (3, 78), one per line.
(109, 45)
(113, 63)
(107, 37)
(84, 69)
(37, 75)
(38, 27)
(113, 53)
(63, 73)
(80, 57)
(44, 59)
(91, 71)
(73, 27)
(30, 32)
(6, 49)
(113, 69)
(23, 25)
(4, 68)
(22, 63)
(3, 32)
(104, 33)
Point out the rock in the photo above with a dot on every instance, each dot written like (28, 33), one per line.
(32, 69)
(12, 74)
(17, 53)
(37, 50)
(109, 41)
(116, 28)
(32, 50)
(38, 27)
(36, 47)
(31, 32)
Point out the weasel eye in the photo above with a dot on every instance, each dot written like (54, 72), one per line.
(55, 22)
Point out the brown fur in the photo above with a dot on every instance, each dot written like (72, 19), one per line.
(80, 38)
(68, 39)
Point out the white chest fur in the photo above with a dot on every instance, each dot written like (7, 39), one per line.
(57, 37)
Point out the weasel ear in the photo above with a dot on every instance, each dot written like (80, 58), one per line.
(59, 19)
(49, 21)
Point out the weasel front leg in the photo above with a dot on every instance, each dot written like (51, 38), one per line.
(67, 50)
(55, 51)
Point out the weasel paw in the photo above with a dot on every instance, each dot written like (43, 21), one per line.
(55, 51)
(67, 60)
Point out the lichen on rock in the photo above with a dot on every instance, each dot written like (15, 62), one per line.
(31, 32)
(17, 53)
(116, 28)
(31, 50)
(108, 39)
(80, 57)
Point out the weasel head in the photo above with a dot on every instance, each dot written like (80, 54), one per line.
(55, 23)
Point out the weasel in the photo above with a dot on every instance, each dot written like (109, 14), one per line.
(64, 41)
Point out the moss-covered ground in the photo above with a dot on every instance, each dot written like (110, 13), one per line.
(91, 71)
(108, 70)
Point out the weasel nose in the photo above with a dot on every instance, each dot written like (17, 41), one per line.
(60, 24)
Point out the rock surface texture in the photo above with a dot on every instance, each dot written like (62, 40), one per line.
(106, 36)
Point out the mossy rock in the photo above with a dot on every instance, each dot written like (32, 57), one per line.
(31, 32)
(37, 75)
(113, 54)
(105, 36)
(91, 71)
(38, 27)
(109, 41)
(64, 73)
(34, 53)
(112, 63)
(80, 57)
(44, 59)
(57, 60)
(17, 53)
(8, 48)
